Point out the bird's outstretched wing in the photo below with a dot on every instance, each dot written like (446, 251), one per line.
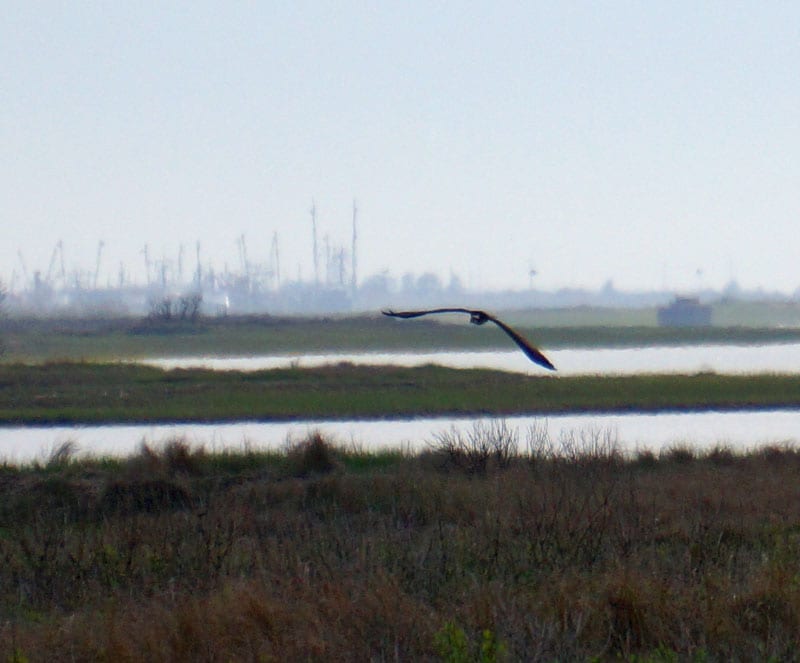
(530, 352)
(417, 314)
(479, 317)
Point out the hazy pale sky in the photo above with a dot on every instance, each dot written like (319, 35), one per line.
(654, 144)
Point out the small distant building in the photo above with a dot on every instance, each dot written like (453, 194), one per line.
(684, 312)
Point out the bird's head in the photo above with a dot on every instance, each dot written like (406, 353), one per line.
(478, 317)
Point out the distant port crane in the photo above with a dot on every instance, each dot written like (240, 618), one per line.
(477, 317)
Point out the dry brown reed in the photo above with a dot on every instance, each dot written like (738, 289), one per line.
(567, 550)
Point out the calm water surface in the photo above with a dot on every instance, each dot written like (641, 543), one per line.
(777, 358)
(740, 430)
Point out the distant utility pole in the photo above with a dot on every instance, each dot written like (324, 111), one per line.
(59, 249)
(100, 246)
(199, 273)
(276, 258)
(340, 253)
(327, 240)
(314, 235)
(180, 264)
(61, 257)
(353, 255)
(243, 258)
(146, 252)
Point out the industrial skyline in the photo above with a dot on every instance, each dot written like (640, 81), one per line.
(655, 146)
(253, 282)
(332, 264)
(327, 265)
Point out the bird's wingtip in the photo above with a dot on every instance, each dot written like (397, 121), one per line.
(545, 362)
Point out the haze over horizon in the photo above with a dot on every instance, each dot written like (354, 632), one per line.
(656, 146)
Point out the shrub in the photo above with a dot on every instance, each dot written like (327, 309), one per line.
(721, 455)
(314, 455)
(473, 450)
(679, 454)
(175, 458)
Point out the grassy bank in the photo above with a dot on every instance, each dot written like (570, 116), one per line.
(112, 339)
(324, 554)
(94, 393)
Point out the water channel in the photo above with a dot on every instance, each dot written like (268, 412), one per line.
(740, 430)
(775, 358)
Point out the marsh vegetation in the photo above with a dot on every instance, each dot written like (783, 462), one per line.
(54, 393)
(487, 546)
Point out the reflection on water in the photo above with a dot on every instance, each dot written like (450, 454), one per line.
(740, 430)
(777, 358)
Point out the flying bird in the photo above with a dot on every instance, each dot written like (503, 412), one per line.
(478, 318)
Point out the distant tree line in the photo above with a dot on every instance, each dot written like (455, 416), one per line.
(422, 288)
(183, 308)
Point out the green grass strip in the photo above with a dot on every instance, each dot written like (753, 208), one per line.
(94, 393)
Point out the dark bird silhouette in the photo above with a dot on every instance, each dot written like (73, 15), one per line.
(479, 318)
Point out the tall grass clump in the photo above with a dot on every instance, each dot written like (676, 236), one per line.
(173, 458)
(721, 454)
(555, 548)
(679, 454)
(587, 446)
(314, 455)
(781, 453)
(62, 455)
(486, 442)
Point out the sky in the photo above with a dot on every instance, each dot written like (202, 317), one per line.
(655, 145)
